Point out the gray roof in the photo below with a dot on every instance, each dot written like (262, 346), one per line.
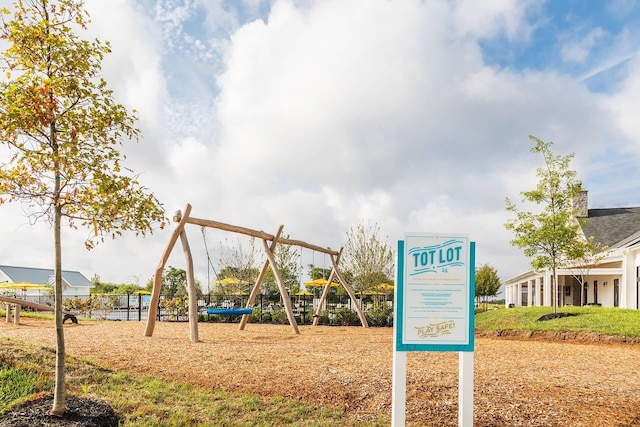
(612, 226)
(43, 276)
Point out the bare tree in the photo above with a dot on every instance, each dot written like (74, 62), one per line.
(239, 265)
(367, 260)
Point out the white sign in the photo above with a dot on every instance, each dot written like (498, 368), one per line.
(434, 311)
(435, 293)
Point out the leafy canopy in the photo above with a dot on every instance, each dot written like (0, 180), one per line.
(550, 235)
(547, 235)
(63, 127)
(487, 281)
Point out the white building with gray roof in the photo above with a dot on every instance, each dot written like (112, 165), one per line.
(613, 281)
(74, 283)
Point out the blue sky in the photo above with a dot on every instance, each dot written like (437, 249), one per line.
(321, 114)
(590, 41)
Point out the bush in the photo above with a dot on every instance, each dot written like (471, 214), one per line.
(279, 317)
(347, 317)
(378, 316)
(323, 318)
(308, 316)
(254, 317)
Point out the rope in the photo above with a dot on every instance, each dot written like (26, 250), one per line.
(209, 263)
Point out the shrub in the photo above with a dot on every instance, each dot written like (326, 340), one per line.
(279, 317)
(378, 316)
(347, 317)
(266, 317)
(323, 318)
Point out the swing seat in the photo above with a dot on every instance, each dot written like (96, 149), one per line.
(229, 311)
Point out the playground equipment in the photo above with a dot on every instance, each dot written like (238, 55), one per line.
(229, 311)
(269, 243)
(18, 304)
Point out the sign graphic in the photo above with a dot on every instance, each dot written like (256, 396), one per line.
(435, 293)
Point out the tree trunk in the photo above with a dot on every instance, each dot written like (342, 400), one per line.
(59, 397)
(555, 290)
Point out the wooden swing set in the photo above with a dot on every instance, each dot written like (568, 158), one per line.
(269, 243)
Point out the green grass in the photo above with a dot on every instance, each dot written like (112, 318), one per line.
(16, 383)
(150, 402)
(607, 321)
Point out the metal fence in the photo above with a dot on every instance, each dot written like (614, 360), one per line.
(134, 307)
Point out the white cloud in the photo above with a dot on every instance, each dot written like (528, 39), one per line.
(321, 114)
(491, 18)
(579, 49)
(624, 105)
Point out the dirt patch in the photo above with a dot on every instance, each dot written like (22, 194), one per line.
(574, 336)
(535, 380)
(81, 412)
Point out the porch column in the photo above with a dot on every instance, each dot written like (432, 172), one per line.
(546, 289)
(510, 295)
(519, 295)
(530, 293)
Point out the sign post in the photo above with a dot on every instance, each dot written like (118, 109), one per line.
(434, 311)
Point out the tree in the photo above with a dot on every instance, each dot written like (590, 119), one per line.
(548, 235)
(239, 263)
(320, 273)
(288, 262)
(367, 259)
(487, 282)
(63, 130)
(174, 281)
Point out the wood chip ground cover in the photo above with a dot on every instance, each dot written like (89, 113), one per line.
(518, 382)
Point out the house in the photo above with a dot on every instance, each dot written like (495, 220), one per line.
(74, 284)
(614, 281)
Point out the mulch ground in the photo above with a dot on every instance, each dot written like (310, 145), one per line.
(570, 380)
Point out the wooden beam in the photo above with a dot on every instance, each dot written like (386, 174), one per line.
(157, 277)
(363, 319)
(191, 289)
(283, 290)
(259, 234)
(263, 272)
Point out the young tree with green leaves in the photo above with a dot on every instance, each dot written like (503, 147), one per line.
(548, 234)
(366, 258)
(63, 130)
(174, 281)
(487, 282)
(288, 261)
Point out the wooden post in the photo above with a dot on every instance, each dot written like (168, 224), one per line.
(363, 319)
(157, 277)
(283, 290)
(323, 297)
(263, 272)
(8, 312)
(16, 314)
(191, 289)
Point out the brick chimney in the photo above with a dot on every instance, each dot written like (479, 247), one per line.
(581, 204)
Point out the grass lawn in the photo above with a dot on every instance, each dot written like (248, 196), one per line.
(607, 321)
(25, 372)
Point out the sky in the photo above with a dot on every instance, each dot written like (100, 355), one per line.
(322, 115)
